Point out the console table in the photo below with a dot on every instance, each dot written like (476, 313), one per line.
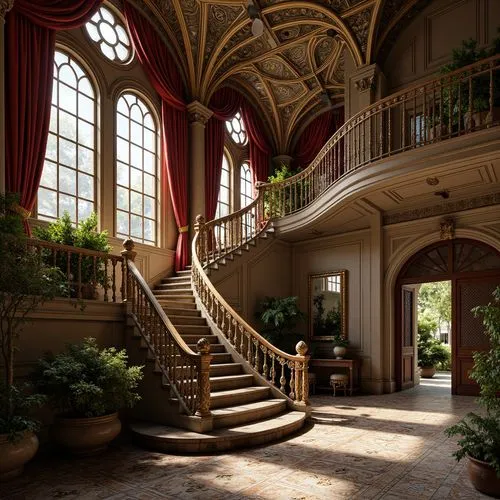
(352, 365)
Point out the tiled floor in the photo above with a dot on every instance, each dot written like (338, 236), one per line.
(364, 447)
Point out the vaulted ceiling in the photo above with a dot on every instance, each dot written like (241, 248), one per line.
(295, 69)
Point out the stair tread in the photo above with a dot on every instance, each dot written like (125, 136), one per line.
(248, 407)
(242, 390)
(164, 432)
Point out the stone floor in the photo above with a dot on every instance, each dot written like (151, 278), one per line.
(362, 447)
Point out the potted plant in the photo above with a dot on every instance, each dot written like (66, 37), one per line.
(25, 284)
(85, 235)
(88, 385)
(480, 433)
(340, 344)
(456, 90)
(431, 352)
(280, 316)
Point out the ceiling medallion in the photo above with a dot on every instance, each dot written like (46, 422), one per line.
(432, 181)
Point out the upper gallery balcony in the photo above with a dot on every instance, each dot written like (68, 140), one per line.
(440, 137)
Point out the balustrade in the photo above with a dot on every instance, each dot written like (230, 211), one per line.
(452, 105)
(286, 372)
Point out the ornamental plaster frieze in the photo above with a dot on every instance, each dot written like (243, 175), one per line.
(442, 209)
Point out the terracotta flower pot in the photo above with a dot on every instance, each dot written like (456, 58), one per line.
(86, 436)
(427, 371)
(13, 455)
(483, 477)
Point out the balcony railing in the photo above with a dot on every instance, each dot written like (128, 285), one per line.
(455, 104)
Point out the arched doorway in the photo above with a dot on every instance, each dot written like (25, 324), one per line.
(474, 271)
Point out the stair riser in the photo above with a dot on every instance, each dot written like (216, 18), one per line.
(173, 311)
(220, 371)
(169, 305)
(222, 358)
(200, 331)
(250, 416)
(174, 287)
(230, 384)
(216, 348)
(181, 294)
(189, 321)
(237, 399)
(192, 339)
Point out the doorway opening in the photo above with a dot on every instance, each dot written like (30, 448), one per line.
(434, 334)
(472, 269)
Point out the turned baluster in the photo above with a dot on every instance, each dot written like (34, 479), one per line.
(264, 364)
(292, 365)
(272, 373)
(256, 364)
(282, 378)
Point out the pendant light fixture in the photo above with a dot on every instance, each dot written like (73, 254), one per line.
(254, 15)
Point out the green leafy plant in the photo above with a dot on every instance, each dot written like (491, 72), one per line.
(280, 203)
(339, 341)
(86, 381)
(431, 351)
(85, 235)
(480, 434)
(456, 90)
(326, 323)
(280, 316)
(26, 283)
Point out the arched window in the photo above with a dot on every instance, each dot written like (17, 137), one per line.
(68, 180)
(224, 199)
(136, 170)
(246, 193)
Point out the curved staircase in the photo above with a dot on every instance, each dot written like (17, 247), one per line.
(244, 412)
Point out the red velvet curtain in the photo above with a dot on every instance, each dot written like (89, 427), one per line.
(29, 63)
(225, 103)
(162, 70)
(258, 145)
(315, 135)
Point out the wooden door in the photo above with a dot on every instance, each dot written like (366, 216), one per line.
(468, 331)
(408, 337)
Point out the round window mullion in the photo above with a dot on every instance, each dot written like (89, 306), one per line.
(107, 30)
(236, 129)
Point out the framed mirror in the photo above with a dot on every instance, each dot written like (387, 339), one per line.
(327, 305)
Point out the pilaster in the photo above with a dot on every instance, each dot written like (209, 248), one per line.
(5, 6)
(198, 116)
(365, 85)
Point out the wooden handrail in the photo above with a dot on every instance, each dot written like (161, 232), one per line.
(186, 372)
(261, 355)
(86, 270)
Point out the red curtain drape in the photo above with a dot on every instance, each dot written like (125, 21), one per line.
(225, 103)
(162, 70)
(259, 148)
(29, 64)
(315, 135)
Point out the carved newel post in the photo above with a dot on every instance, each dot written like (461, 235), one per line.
(198, 230)
(302, 374)
(128, 254)
(203, 347)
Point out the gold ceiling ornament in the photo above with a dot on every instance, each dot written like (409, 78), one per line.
(5, 6)
(294, 70)
(447, 228)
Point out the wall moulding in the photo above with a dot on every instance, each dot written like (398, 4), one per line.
(442, 209)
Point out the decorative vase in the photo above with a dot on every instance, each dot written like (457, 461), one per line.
(339, 352)
(86, 436)
(483, 477)
(427, 371)
(14, 454)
